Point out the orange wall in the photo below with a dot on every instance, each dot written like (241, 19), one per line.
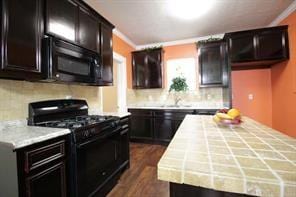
(283, 76)
(258, 83)
(124, 49)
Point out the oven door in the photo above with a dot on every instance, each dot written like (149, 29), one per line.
(97, 160)
(70, 63)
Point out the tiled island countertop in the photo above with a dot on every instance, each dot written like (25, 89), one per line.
(250, 159)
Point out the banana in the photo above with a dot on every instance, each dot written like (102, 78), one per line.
(216, 119)
(224, 116)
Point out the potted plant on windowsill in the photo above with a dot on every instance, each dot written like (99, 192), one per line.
(178, 85)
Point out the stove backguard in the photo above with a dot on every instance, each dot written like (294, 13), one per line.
(56, 109)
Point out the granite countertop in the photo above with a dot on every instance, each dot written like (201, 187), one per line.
(16, 134)
(250, 159)
(118, 114)
(174, 107)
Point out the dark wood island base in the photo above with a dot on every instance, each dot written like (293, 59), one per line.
(182, 190)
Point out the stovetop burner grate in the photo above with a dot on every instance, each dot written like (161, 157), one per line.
(74, 123)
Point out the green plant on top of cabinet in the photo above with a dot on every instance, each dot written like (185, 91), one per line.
(147, 68)
(213, 64)
(21, 34)
(258, 48)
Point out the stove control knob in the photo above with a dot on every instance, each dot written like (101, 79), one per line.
(86, 133)
(114, 124)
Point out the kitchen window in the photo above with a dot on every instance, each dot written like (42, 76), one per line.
(184, 67)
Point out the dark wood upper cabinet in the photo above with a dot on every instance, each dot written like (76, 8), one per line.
(21, 35)
(258, 48)
(147, 68)
(154, 69)
(139, 69)
(272, 44)
(242, 47)
(106, 55)
(213, 64)
(88, 34)
(61, 19)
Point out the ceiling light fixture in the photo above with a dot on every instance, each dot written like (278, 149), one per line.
(189, 9)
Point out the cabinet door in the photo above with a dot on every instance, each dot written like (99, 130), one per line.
(176, 125)
(212, 64)
(242, 47)
(48, 183)
(21, 39)
(107, 55)
(61, 19)
(139, 69)
(163, 129)
(88, 30)
(154, 71)
(272, 45)
(124, 135)
(141, 127)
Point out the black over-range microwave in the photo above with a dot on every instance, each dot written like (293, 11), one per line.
(66, 62)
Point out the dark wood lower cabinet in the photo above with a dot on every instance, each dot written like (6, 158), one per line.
(48, 183)
(141, 127)
(163, 129)
(181, 190)
(42, 169)
(159, 125)
(125, 136)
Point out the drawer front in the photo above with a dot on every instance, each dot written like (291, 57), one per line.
(173, 114)
(43, 155)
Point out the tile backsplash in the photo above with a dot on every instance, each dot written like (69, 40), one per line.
(15, 96)
(204, 97)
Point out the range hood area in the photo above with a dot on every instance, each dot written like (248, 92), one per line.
(69, 43)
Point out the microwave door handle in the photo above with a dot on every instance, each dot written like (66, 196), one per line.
(98, 69)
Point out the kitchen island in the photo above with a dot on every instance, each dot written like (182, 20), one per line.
(204, 159)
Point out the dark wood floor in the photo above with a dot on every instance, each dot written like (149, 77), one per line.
(140, 180)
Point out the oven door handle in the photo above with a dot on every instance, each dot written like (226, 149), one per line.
(98, 138)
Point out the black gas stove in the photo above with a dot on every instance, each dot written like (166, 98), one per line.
(76, 122)
(96, 142)
(70, 114)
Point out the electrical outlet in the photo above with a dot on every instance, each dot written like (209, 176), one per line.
(251, 96)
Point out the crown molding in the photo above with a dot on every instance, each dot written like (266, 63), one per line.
(124, 38)
(179, 42)
(284, 14)
(275, 22)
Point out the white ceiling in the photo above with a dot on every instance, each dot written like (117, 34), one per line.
(148, 21)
